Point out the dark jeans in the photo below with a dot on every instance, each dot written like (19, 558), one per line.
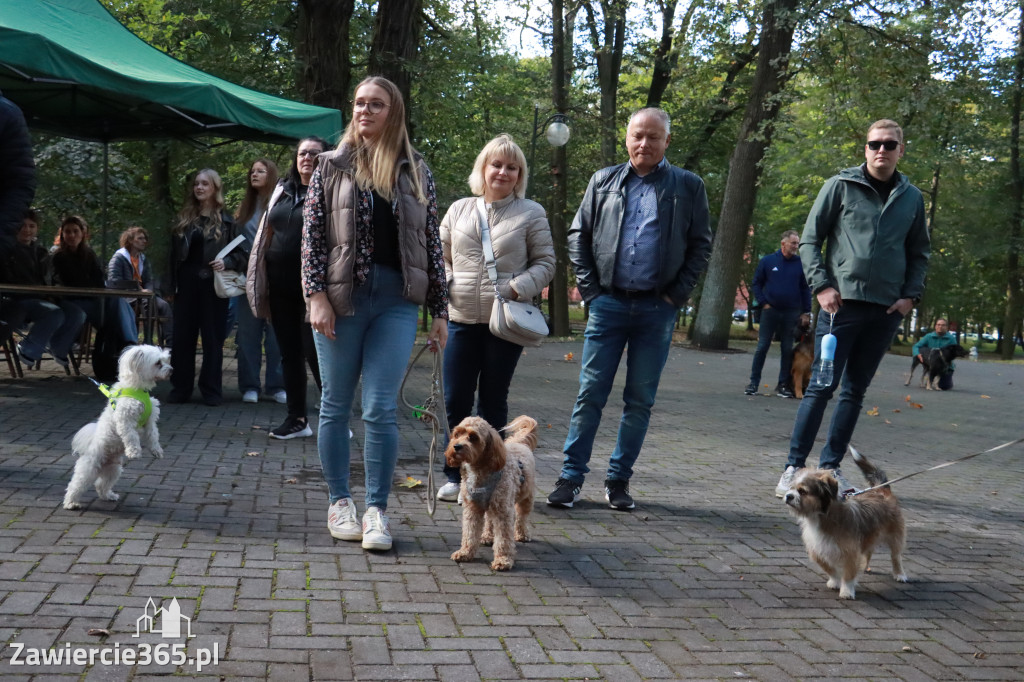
(295, 341)
(863, 333)
(781, 321)
(474, 358)
(198, 311)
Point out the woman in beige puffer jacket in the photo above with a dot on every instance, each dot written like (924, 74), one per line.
(525, 259)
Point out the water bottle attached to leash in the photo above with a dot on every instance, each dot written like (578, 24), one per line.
(826, 371)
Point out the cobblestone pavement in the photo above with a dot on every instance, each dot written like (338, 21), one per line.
(706, 579)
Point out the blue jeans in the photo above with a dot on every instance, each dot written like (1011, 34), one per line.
(863, 334)
(642, 326)
(255, 335)
(780, 321)
(477, 364)
(375, 342)
(53, 324)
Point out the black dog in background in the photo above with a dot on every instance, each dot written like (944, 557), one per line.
(936, 364)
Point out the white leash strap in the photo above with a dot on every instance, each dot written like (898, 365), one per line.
(938, 466)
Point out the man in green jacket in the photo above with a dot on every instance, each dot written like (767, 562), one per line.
(940, 338)
(871, 221)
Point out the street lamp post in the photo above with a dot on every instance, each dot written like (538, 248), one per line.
(556, 132)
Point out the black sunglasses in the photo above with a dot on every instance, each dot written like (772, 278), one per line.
(889, 145)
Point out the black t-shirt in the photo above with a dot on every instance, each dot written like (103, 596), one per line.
(883, 187)
(385, 234)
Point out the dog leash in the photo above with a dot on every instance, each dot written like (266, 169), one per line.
(937, 466)
(428, 412)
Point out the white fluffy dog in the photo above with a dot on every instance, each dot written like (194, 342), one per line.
(126, 425)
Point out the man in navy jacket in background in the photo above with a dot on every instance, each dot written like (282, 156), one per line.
(781, 289)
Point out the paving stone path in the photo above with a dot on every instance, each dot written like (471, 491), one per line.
(706, 580)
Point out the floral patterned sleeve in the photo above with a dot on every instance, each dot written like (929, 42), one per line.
(314, 237)
(437, 287)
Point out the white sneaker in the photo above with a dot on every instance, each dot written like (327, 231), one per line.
(449, 492)
(376, 530)
(786, 482)
(341, 520)
(281, 397)
(250, 397)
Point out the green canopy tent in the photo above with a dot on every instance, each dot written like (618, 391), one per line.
(75, 71)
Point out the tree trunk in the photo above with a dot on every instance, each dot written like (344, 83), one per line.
(608, 41)
(324, 56)
(666, 56)
(711, 329)
(558, 292)
(396, 40)
(1014, 285)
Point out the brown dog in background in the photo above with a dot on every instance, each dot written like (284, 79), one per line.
(803, 356)
(497, 486)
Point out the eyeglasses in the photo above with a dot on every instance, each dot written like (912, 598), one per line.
(373, 106)
(875, 145)
(309, 152)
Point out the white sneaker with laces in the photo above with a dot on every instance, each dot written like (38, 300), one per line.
(281, 397)
(449, 492)
(376, 530)
(250, 397)
(342, 522)
(786, 482)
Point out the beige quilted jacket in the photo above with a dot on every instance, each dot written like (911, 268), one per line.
(523, 251)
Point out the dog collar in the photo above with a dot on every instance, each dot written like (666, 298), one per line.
(125, 392)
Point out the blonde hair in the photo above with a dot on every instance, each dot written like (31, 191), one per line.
(889, 124)
(504, 147)
(376, 167)
(192, 209)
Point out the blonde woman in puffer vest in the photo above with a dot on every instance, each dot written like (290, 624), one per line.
(525, 259)
(371, 256)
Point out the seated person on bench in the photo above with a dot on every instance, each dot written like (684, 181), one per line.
(129, 269)
(54, 324)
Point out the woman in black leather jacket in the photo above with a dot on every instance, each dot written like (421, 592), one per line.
(202, 230)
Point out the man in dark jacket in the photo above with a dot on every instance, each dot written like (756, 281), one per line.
(781, 289)
(638, 243)
(870, 278)
(17, 172)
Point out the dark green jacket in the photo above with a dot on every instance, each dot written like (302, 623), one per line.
(875, 253)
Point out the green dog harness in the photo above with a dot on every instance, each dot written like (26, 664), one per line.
(136, 393)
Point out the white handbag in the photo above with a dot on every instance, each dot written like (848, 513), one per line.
(229, 283)
(515, 321)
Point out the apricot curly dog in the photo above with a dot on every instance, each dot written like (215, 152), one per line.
(497, 486)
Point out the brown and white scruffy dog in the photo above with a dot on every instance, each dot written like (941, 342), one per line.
(123, 428)
(840, 534)
(497, 486)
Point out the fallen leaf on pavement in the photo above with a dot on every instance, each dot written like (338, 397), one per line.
(291, 480)
(98, 632)
(988, 397)
(252, 453)
(410, 482)
(873, 412)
